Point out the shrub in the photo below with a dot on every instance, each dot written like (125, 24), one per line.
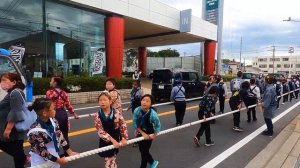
(78, 84)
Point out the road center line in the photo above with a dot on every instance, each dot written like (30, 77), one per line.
(221, 157)
(88, 130)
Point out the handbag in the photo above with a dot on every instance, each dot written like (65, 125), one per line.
(29, 117)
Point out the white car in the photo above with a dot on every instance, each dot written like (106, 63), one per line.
(248, 75)
(8, 65)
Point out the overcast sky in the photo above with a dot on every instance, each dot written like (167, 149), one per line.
(259, 23)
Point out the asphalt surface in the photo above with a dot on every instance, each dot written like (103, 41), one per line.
(176, 150)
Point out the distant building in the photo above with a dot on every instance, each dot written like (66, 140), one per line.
(281, 64)
(234, 67)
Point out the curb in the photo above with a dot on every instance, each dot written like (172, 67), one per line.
(283, 151)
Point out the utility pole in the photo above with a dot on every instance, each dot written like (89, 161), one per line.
(291, 20)
(244, 65)
(220, 34)
(273, 50)
(241, 53)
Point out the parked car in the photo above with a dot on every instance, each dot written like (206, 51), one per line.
(277, 76)
(248, 75)
(163, 80)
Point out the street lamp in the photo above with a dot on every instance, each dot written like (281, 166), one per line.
(291, 50)
(291, 20)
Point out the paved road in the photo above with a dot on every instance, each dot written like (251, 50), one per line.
(175, 150)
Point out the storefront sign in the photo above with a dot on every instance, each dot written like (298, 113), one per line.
(185, 20)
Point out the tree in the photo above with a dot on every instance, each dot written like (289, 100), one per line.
(168, 53)
(152, 53)
(163, 53)
(226, 61)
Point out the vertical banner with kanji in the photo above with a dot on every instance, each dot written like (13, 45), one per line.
(98, 62)
(17, 53)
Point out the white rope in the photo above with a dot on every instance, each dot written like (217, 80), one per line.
(131, 141)
(155, 105)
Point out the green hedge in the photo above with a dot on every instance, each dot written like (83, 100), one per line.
(41, 85)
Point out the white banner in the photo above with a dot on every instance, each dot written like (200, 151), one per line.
(98, 61)
(17, 53)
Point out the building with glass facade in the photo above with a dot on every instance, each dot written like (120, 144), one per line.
(56, 37)
(64, 36)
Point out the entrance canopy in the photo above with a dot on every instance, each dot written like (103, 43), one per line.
(151, 23)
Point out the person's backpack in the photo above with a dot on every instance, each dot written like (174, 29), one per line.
(136, 99)
(234, 100)
(252, 94)
(202, 105)
(291, 86)
(278, 89)
(251, 98)
(236, 84)
(221, 90)
(296, 87)
(285, 88)
(29, 116)
(179, 90)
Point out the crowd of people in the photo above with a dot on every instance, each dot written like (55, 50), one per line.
(50, 131)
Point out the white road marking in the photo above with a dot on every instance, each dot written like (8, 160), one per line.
(221, 157)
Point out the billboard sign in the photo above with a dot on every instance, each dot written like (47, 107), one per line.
(211, 11)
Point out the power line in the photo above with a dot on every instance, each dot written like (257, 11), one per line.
(9, 7)
(12, 9)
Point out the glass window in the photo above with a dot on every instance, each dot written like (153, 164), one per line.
(278, 65)
(263, 66)
(270, 65)
(285, 59)
(262, 59)
(275, 59)
(193, 76)
(21, 24)
(247, 75)
(162, 76)
(6, 66)
(73, 36)
(286, 65)
(297, 65)
(76, 35)
(185, 76)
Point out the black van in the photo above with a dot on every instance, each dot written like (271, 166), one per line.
(163, 79)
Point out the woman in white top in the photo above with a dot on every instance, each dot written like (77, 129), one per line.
(255, 91)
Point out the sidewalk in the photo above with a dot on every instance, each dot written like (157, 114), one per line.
(283, 151)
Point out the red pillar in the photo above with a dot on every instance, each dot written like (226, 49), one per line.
(114, 45)
(143, 60)
(209, 57)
